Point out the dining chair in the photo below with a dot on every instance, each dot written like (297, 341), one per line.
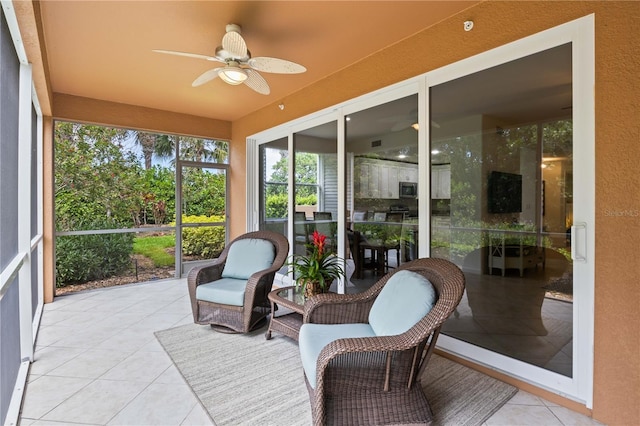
(324, 225)
(393, 238)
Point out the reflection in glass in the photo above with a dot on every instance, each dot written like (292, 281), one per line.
(316, 183)
(382, 187)
(274, 169)
(501, 173)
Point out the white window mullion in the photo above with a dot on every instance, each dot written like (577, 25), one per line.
(342, 197)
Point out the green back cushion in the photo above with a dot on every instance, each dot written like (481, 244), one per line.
(248, 256)
(404, 300)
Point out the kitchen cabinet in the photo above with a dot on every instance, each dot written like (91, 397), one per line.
(380, 178)
(441, 181)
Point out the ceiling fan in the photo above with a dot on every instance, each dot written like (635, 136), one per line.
(239, 67)
(402, 122)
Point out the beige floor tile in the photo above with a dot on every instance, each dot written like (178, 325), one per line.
(50, 357)
(98, 402)
(158, 321)
(525, 398)
(90, 364)
(47, 392)
(86, 339)
(197, 417)
(129, 340)
(121, 320)
(571, 418)
(158, 404)
(523, 415)
(140, 366)
(171, 375)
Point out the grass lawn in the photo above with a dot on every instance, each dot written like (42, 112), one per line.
(154, 249)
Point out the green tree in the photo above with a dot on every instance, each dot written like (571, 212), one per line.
(306, 165)
(147, 142)
(205, 150)
(204, 192)
(94, 178)
(97, 186)
(159, 195)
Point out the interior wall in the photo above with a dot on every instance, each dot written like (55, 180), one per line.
(617, 326)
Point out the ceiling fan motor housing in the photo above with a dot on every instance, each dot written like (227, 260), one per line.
(225, 56)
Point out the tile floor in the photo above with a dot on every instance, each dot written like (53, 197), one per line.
(511, 315)
(97, 362)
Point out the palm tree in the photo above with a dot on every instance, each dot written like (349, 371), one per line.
(195, 149)
(191, 149)
(147, 142)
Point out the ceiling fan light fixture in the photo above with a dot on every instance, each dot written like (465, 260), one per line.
(233, 75)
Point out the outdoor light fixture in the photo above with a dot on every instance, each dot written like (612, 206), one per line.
(232, 74)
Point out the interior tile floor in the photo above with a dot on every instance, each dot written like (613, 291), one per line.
(97, 362)
(511, 314)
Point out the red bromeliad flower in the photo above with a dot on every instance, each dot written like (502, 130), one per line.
(318, 241)
(319, 266)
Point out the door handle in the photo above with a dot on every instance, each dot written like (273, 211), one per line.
(579, 242)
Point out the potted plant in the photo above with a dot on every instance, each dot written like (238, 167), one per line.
(315, 272)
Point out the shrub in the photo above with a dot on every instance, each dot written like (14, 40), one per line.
(276, 204)
(203, 242)
(82, 258)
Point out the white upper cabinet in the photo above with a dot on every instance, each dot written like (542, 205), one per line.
(441, 181)
(380, 178)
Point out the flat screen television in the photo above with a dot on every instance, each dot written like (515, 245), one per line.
(505, 192)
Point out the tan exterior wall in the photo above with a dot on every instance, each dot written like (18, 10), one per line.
(74, 108)
(617, 91)
(48, 228)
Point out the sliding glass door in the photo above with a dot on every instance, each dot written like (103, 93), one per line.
(508, 205)
(508, 208)
(487, 162)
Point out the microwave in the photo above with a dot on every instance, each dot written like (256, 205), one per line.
(408, 190)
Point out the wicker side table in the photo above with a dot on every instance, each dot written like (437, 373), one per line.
(288, 323)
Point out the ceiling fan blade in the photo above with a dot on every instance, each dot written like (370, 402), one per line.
(257, 82)
(401, 125)
(275, 65)
(234, 44)
(205, 77)
(188, 55)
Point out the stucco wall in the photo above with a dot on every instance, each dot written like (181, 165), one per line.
(617, 92)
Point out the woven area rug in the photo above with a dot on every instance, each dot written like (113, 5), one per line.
(247, 380)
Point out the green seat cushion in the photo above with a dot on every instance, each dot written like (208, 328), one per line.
(314, 337)
(248, 256)
(226, 291)
(403, 301)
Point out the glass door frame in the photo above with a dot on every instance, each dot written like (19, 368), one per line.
(180, 166)
(581, 34)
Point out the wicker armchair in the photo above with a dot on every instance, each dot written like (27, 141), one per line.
(237, 303)
(375, 379)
